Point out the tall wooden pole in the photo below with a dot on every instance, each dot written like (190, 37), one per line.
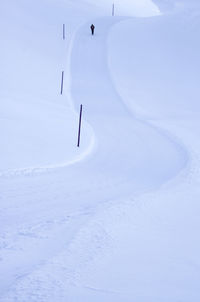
(79, 128)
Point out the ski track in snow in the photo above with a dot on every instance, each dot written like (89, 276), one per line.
(39, 234)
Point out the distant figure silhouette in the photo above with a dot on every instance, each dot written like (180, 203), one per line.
(92, 28)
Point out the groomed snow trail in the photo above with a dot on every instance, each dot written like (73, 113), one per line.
(52, 208)
(122, 139)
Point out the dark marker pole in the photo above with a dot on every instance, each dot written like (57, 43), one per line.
(63, 31)
(79, 128)
(61, 90)
(113, 9)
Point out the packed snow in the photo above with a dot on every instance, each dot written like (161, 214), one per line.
(116, 219)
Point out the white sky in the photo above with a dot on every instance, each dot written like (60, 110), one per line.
(135, 7)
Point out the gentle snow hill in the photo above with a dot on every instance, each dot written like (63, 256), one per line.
(157, 74)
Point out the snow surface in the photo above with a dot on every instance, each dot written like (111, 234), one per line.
(118, 218)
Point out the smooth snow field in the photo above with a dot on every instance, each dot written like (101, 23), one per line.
(117, 219)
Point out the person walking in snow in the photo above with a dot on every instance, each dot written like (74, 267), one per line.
(92, 28)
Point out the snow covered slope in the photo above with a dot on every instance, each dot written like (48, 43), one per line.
(38, 126)
(120, 222)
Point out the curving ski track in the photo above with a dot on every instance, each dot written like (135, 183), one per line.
(124, 161)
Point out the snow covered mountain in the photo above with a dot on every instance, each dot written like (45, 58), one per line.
(116, 219)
